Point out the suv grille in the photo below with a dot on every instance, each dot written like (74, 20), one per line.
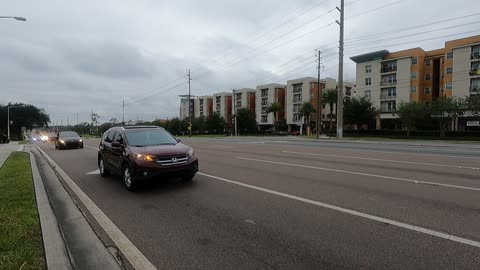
(177, 160)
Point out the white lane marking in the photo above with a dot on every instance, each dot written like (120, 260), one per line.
(131, 252)
(94, 148)
(362, 174)
(383, 160)
(355, 213)
(221, 146)
(97, 171)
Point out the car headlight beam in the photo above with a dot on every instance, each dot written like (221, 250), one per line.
(143, 157)
(191, 153)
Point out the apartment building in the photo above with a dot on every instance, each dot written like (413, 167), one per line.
(184, 106)
(204, 106)
(243, 98)
(418, 75)
(265, 95)
(222, 104)
(305, 89)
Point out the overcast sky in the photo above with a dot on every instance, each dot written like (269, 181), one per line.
(74, 56)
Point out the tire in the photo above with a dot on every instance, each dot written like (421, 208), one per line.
(128, 182)
(101, 167)
(81, 146)
(56, 147)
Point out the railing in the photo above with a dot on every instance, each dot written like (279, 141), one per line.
(475, 56)
(388, 83)
(387, 97)
(387, 110)
(388, 69)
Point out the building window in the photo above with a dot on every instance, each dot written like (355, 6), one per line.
(323, 116)
(264, 118)
(413, 89)
(426, 90)
(414, 75)
(414, 61)
(448, 86)
(312, 85)
(428, 77)
(443, 75)
(475, 53)
(449, 70)
(264, 93)
(368, 93)
(323, 106)
(368, 69)
(475, 85)
(297, 88)
(368, 81)
(449, 55)
(428, 62)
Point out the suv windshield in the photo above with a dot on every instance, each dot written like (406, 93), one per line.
(69, 134)
(148, 137)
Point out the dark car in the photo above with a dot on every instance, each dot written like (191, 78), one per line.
(68, 139)
(140, 153)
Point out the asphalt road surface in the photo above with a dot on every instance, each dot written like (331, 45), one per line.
(299, 205)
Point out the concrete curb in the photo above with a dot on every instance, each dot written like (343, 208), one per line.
(83, 245)
(130, 251)
(56, 254)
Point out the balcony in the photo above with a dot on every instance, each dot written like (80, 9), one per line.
(387, 97)
(387, 110)
(388, 69)
(474, 72)
(475, 56)
(388, 83)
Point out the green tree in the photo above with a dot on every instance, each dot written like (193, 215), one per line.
(199, 124)
(215, 123)
(275, 108)
(329, 97)
(411, 113)
(22, 115)
(358, 111)
(306, 111)
(246, 122)
(445, 108)
(473, 106)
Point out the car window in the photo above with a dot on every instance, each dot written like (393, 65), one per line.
(110, 136)
(104, 136)
(147, 137)
(118, 137)
(68, 134)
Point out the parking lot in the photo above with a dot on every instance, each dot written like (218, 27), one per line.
(274, 204)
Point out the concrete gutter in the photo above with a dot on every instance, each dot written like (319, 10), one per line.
(83, 249)
(56, 254)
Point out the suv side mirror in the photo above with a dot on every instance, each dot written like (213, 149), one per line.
(179, 140)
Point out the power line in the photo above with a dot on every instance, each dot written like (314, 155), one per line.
(375, 9)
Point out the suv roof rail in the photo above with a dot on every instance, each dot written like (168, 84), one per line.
(133, 127)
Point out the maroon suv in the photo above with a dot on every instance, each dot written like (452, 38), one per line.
(144, 152)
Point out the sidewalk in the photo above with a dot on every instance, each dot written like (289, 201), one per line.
(7, 149)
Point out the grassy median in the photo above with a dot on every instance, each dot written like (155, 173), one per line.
(21, 245)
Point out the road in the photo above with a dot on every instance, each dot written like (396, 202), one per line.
(272, 204)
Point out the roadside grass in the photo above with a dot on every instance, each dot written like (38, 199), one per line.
(21, 245)
(23, 142)
(88, 136)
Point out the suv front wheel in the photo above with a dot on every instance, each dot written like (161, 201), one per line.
(101, 167)
(128, 181)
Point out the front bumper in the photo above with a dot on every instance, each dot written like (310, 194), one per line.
(68, 144)
(149, 171)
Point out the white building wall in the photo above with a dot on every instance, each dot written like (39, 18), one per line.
(271, 99)
(461, 68)
(205, 106)
(221, 110)
(289, 104)
(244, 99)
(375, 77)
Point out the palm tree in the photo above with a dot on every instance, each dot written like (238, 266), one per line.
(330, 97)
(274, 108)
(306, 111)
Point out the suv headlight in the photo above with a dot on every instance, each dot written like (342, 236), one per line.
(80, 140)
(143, 157)
(191, 153)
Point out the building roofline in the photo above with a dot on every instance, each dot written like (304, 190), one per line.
(366, 57)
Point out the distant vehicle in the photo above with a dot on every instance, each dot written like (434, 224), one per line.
(296, 133)
(68, 139)
(144, 153)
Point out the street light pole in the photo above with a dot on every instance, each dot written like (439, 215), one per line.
(235, 111)
(14, 17)
(8, 122)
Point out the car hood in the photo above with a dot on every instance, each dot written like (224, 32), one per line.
(162, 150)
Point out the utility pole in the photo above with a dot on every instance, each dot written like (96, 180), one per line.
(68, 120)
(319, 108)
(235, 111)
(77, 118)
(123, 112)
(8, 124)
(340, 72)
(189, 105)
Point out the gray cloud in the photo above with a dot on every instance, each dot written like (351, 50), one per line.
(72, 58)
